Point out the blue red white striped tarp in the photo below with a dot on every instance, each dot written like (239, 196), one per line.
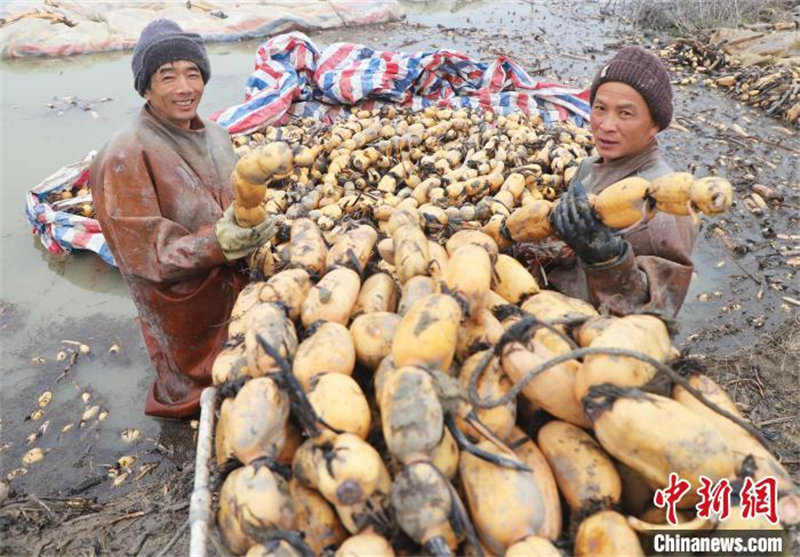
(59, 230)
(292, 78)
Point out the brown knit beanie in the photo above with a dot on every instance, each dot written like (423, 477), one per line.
(644, 72)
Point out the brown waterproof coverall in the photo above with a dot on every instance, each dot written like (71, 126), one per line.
(655, 273)
(159, 189)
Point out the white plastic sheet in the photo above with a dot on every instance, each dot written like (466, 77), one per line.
(84, 26)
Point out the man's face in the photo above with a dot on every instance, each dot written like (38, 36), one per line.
(620, 121)
(175, 92)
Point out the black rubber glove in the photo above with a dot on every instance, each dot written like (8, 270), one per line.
(575, 222)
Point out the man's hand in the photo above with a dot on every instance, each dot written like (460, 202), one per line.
(237, 242)
(575, 222)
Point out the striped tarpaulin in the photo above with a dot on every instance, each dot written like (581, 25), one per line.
(292, 78)
(59, 230)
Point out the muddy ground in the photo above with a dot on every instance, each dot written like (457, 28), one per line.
(737, 315)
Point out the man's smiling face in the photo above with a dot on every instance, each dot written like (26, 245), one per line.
(175, 91)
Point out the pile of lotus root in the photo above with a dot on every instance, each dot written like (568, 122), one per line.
(396, 383)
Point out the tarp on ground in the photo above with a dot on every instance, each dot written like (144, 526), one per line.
(59, 230)
(293, 78)
(67, 27)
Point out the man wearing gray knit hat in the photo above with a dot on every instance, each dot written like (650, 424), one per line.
(164, 53)
(162, 189)
(649, 266)
(161, 42)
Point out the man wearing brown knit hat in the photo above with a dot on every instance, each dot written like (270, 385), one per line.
(160, 187)
(647, 267)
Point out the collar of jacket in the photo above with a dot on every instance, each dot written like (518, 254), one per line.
(602, 174)
(190, 144)
(207, 151)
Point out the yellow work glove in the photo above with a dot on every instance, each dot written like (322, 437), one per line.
(237, 242)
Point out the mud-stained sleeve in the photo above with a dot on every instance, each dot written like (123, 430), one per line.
(619, 286)
(147, 244)
(668, 266)
(654, 272)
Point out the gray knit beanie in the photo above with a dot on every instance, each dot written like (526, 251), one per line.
(163, 41)
(646, 73)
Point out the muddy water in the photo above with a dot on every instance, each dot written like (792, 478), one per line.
(47, 300)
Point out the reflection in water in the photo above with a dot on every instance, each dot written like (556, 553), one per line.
(89, 271)
(84, 269)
